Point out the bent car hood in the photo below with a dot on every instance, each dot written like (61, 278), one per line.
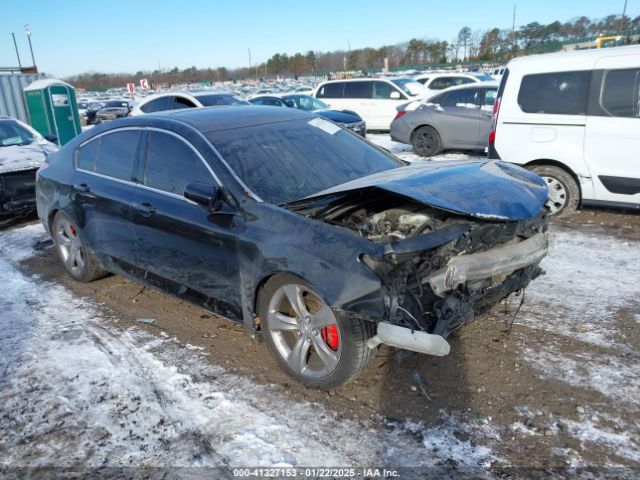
(25, 157)
(490, 190)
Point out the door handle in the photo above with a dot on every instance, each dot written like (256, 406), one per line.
(82, 188)
(487, 114)
(146, 210)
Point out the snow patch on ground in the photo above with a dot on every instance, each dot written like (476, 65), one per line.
(76, 392)
(613, 377)
(405, 152)
(589, 278)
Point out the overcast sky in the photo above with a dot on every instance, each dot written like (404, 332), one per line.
(73, 36)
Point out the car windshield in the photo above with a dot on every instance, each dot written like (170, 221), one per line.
(408, 86)
(290, 160)
(304, 102)
(12, 133)
(483, 77)
(221, 99)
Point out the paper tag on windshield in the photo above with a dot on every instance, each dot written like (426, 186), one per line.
(12, 141)
(322, 124)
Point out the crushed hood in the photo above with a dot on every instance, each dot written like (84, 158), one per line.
(490, 190)
(16, 158)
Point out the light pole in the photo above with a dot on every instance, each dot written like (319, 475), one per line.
(28, 30)
(17, 53)
(624, 13)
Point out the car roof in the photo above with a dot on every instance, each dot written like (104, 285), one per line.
(230, 117)
(571, 60)
(364, 79)
(488, 84)
(196, 94)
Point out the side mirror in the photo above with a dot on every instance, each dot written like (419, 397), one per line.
(395, 96)
(205, 194)
(51, 138)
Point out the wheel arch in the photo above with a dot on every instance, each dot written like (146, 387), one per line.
(417, 127)
(257, 290)
(555, 163)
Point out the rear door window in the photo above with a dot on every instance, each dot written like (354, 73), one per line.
(171, 164)
(117, 154)
(461, 98)
(560, 93)
(113, 154)
(621, 93)
(331, 90)
(357, 90)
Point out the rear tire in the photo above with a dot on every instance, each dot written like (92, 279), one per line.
(315, 345)
(426, 141)
(564, 192)
(77, 258)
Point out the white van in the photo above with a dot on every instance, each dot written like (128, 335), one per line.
(374, 99)
(574, 118)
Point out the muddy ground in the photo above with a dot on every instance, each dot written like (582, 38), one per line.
(484, 377)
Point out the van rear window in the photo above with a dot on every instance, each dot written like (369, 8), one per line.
(621, 93)
(560, 93)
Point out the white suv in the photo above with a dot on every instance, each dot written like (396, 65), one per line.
(374, 99)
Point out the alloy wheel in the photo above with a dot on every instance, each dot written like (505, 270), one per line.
(304, 331)
(70, 247)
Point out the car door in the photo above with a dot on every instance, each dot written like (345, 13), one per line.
(182, 247)
(103, 190)
(612, 141)
(457, 118)
(386, 97)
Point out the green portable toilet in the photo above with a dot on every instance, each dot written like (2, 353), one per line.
(52, 109)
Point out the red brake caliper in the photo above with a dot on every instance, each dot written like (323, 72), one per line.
(331, 337)
(73, 230)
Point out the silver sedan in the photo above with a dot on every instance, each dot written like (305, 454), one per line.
(459, 117)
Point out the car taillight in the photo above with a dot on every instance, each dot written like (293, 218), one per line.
(494, 120)
(400, 114)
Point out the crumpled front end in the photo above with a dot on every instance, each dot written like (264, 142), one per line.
(438, 269)
(438, 281)
(17, 193)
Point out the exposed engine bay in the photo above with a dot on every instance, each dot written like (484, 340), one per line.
(440, 269)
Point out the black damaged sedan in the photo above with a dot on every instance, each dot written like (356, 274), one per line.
(310, 236)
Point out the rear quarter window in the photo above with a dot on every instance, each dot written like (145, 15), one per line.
(621, 93)
(559, 93)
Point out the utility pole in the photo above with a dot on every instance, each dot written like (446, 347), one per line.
(513, 27)
(249, 61)
(17, 53)
(624, 14)
(28, 30)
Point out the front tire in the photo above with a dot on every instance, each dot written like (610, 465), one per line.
(426, 142)
(564, 192)
(78, 260)
(312, 343)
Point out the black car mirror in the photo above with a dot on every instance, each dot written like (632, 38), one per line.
(205, 194)
(51, 138)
